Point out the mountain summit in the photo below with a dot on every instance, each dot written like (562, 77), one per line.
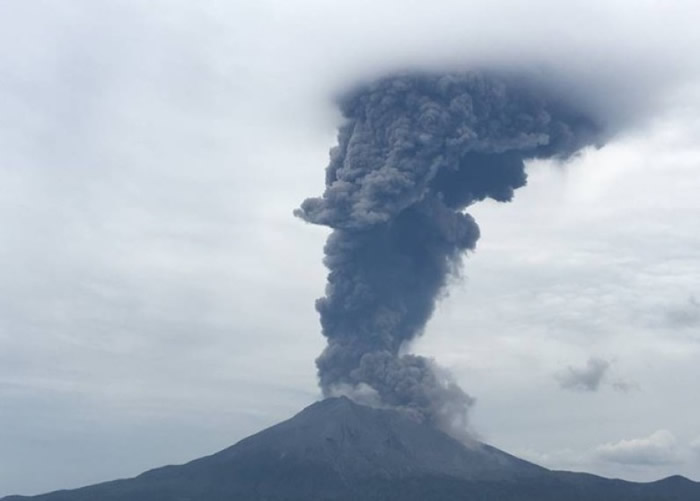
(342, 451)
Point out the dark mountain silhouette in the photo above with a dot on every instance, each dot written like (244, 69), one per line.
(341, 451)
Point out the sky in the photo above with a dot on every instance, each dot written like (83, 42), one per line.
(156, 292)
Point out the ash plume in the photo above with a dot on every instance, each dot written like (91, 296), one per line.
(414, 151)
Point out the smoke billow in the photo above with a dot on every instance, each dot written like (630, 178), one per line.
(414, 151)
(588, 378)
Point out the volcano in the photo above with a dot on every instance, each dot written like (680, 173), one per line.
(338, 450)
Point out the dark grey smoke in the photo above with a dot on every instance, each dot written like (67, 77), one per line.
(414, 151)
(588, 378)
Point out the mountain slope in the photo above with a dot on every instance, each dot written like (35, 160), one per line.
(339, 450)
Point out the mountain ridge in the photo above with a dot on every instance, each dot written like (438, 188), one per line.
(339, 450)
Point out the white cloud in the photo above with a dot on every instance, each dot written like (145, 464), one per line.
(686, 315)
(659, 448)
(695, 445)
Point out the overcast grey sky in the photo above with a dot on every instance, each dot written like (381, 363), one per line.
(156, 293)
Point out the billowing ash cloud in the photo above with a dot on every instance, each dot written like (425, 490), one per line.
(414, 151)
